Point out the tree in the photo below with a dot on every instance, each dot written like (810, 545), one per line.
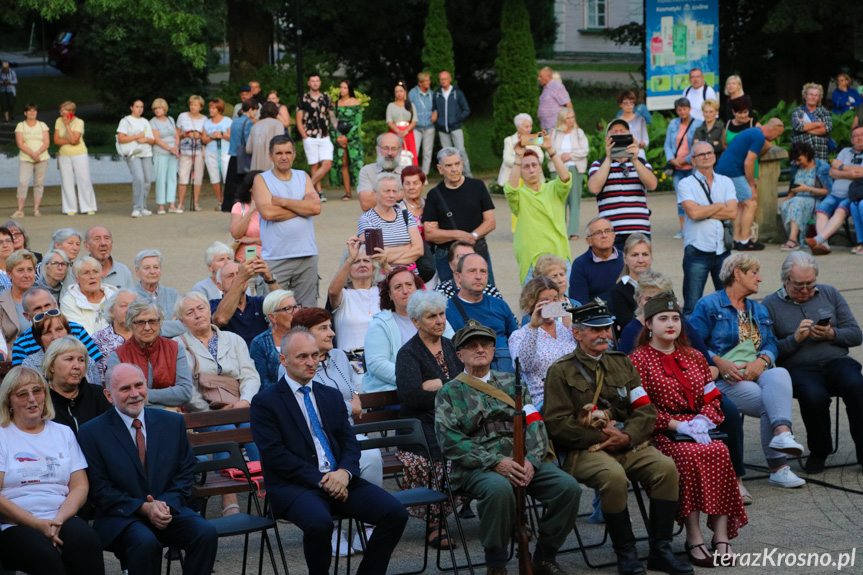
(437, 52)
(517, 90)
(250, 35)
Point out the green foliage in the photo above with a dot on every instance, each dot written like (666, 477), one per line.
(48, 92)
(437, 52)
(333, 92)
(515, 66)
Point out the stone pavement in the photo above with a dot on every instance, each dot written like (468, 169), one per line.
(811, 519)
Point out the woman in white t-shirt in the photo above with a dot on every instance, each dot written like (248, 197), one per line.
(402, 241)
(354, 297)
(216, 135)
(135, 144)
(191, 127)
(43, 484)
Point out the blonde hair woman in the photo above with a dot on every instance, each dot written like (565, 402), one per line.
(812, 123)
(568, 140)
(74, 162)
(190, 126)
(166, 155)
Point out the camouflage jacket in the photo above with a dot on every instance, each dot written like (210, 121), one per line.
(472, 430)
(567, 391)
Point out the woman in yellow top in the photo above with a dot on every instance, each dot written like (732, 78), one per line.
(74, 162)
(539, 206)
(32, 139)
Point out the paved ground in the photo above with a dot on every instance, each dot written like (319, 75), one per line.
(812, 519)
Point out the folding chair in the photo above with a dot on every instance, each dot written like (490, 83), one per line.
(240, 523)
(404, 433)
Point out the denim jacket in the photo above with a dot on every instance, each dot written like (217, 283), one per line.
(822, 172)
(715, 319)
(671, 137)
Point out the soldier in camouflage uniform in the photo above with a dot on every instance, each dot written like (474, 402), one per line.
(570, 384)
(475, 432)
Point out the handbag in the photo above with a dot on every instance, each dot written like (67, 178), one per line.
(727, 225)
(128, 150)
(855, 191)
(669, 170)
(218, 390)
(343, 128)
(425, 263)
(744, 352)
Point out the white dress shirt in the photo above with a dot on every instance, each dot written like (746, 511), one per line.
(127, 421)
(324, 466)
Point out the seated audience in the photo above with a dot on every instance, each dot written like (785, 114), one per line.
(523, 127)
(472, 303)
(810, 180)
(539, 206)
(846, 169)
(210, 351)
(402, 242)
(637, 257)
(215, 257)
(455, 252)
(68, 240)
(41, 532)
(423, 365)
(845, 175)
(279, 308)
(681, 387)
(75, 397)
(542, 340)
(20, 238)
(556, 269)
(236, 312)
(148, 268)
(38, 302)
(595, 272)
(51, 326)
(21, 270)
(115, 333)
(389, 330)
(334, 370)
(311, 479)
(141, 469)
(168, 376)
(52, 272)
(814, 350)
(474, 436)
(100, 244)
(738, 332)
(6, 249)
(353, 296)
(84, 302)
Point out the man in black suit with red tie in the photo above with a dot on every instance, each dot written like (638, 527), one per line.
(310, 456)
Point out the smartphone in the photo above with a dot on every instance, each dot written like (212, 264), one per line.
(374, 238)
(251, 252)
(531, 140)
(70, 115)
(620, 143)
(554, 309)
(824, 321)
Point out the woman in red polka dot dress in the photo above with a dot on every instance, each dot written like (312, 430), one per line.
(679, 384)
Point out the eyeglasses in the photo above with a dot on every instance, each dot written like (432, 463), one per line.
(4, 241)
(289, 308)
(703, 155)
(57, 264)
(627, 103)
(605, 232)
(47, 313)
(24, 394)
(17, 235)
(800, 286)
(143, 322)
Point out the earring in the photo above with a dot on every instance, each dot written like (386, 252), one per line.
(650, 333)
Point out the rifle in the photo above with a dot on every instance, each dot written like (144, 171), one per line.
(522, 533)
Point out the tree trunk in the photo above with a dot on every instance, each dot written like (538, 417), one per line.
(250, 35)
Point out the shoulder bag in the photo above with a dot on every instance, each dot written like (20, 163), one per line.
(727, 225)
(744, 352)
(669, 170)
(218, 390)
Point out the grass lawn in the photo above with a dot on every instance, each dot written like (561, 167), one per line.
(48, 92)
(594, 67)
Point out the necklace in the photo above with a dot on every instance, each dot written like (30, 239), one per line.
(412, 206)
(669, 350)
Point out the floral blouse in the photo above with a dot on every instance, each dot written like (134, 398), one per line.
(537, 350)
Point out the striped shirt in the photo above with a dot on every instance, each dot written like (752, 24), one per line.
(395, 232)
(26, 344)
(623, 199)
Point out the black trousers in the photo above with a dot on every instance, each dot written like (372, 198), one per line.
(28, 550)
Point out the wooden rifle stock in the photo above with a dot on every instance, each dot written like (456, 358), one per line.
(522, 533)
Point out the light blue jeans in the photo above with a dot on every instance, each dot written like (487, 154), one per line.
(857, 216)
(166, 178)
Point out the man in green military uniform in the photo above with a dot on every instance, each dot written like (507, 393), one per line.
(474, 427)
(593, 374)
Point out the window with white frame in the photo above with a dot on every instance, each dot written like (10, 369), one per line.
(596, 13)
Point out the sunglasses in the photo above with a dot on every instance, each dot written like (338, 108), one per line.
(43, 314)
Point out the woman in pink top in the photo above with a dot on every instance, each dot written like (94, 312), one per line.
(245, 219)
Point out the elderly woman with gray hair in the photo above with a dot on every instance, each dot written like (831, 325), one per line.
(279, 307)
(523, 127)
(402, 242)
(52, 272)
(21, 270)
(115, 333)
(423, 365)
(215, 257)
(148, 268)
(168, 376)
(738, 332)
(84, 302)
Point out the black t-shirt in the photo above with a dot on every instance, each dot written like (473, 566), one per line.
(467, 203)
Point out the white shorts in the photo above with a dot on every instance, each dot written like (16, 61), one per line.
(318, 150)
(212, 161)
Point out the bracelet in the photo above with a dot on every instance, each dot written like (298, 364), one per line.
(765, 360)
(270, 282)
(552, 155)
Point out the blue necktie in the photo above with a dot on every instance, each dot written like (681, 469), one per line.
(316, 427)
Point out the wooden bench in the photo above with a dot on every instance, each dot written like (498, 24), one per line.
(379, 402)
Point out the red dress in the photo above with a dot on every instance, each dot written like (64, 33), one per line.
(680, 386)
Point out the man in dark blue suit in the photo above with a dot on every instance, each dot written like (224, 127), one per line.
(311, 462)
(141, 471)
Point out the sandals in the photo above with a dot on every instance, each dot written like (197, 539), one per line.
(346, 198)
(441, 541)
(233, 507)
(706, 562)
(722, 556)
(18, 214)
(790, 246)
(37, 213)
(857, 250)
(744, 495)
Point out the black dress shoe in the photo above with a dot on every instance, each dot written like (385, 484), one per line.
(814, 463)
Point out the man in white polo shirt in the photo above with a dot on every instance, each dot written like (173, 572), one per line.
(697, 92)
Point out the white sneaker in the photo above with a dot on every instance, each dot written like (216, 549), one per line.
(137, 214)
(344, 548)
(146, 213)
(784, 442)
(784, 477)
(678, 235)
(357, 544)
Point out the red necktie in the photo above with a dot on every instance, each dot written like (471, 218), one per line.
(139, 441)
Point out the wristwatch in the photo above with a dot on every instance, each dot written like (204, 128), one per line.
(270, 281)
(475, 235)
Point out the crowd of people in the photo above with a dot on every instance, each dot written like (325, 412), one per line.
(106, 356)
